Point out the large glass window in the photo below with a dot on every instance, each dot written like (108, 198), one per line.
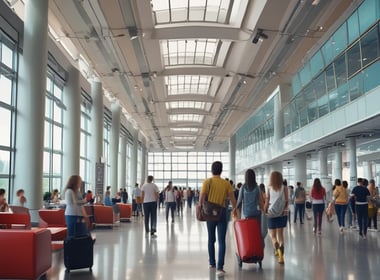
(52, 166)
(85, 140)
(353, 59)
(8, 55)
(370, 46)
(185, 169)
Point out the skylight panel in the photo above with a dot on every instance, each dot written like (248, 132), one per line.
(184, 138)
(188, 105)
(186, 118)
(188, 84)
(184, 129)
(171, 11)
(186, 52)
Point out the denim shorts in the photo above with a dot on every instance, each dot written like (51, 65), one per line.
(277, 222)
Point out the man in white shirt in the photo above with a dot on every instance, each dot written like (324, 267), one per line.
(150, 193)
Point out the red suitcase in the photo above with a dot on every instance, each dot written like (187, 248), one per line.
(249, 242)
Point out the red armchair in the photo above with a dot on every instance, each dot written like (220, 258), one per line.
(14, 220)
(26, 253)
(103, 215)
(125, 211)
(53, 220)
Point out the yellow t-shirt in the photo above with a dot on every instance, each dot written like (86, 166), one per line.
(341, 195)
(219, 190)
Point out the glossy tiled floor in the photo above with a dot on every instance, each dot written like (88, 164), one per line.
(180, 252)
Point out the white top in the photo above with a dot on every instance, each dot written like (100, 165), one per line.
(150, 190)
(73, 203)
(136, 193)
(170, 196)
(274, 195)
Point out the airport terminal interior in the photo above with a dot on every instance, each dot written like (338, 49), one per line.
(116, 90)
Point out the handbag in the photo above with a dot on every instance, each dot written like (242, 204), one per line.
(209, 211)
(277, 208)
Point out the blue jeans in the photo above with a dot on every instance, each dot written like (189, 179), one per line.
(170, 206)
(75, 226)
(150, 211)
(299, 208)
(221, 226)
(362, 216)
(318, 209)
(340, 210)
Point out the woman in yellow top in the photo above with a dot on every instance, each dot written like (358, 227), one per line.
(217, 191)
(340, 195)
(372, 210)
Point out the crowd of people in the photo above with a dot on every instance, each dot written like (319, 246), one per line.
(270, 205)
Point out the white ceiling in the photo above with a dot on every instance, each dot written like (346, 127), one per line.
(133, 71)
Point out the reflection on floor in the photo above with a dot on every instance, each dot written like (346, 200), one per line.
(180, 252)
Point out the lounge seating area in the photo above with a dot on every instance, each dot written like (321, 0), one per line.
(35, 259)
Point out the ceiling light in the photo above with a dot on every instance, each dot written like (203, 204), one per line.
(260, 36)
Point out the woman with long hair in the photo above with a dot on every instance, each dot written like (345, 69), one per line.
(74, 212)
(250, 199)
(318, 195)
(276, 191)
(340, 196)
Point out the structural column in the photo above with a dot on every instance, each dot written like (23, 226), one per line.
(338, 166)
(323, 172)
(134, 160)
(367, 168)
(232, 154)
(277, 166)
(351, 144)
(71, 134)
(114, 148)
(300, 170)
(31, 105)
(278, 118)
(122, 162)
(97, 124)
(144, 163)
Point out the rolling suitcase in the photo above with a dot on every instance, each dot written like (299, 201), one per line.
(249, 242)
(78, 252)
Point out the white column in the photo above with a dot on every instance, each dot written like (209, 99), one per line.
(323, 172)
(367, 168)
(122, 162)
(300, 170)
(114, 147)
(277, 166)
(338, 166)
(97, 124)
(134, 160)
(232, 154)
(351, 145)
(323, 162)
(71, 131)
(144, 164)
(31, 105)
(278, 118)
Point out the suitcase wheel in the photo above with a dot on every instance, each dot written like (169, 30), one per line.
(67, 270)
(90, 268)
(260, 265)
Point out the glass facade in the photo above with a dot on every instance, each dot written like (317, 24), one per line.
(341, 71)
(185, 169)
(256, 133)
(8, 70)
(54, 110)
(85, 137)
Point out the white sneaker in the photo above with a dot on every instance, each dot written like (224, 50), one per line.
(220, 273)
